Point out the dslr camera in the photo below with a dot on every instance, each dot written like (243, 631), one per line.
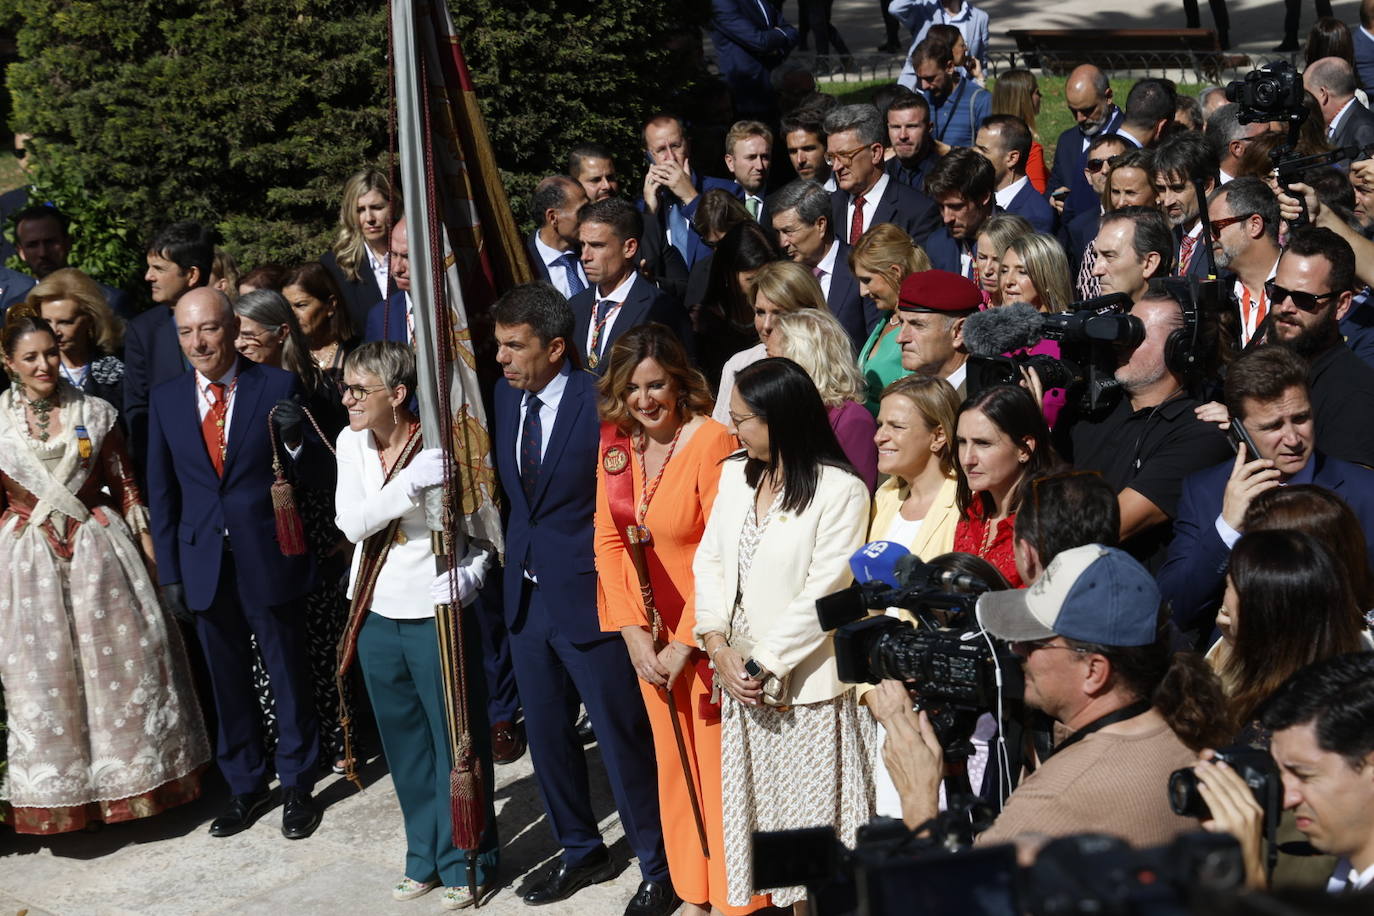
(1254, 766)
(1274, 92)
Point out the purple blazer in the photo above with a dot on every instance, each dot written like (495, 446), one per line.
(855, 427)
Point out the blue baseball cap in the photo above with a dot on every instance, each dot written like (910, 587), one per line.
(1092, 594)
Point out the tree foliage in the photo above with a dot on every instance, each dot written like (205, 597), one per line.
(247, 114)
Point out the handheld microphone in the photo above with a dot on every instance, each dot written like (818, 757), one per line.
(912, 572)
(995, 331)
(878, 561)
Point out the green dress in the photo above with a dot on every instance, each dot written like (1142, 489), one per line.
(880, 363)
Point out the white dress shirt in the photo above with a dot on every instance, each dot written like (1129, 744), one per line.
(871, 198)
(1008, 194)
(549, 398)
(618, 296)
(558, 271)
(381, 269)
(1345, 878)
(827, 268)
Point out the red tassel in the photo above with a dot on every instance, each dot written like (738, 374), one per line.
(290, 531)
(468, 808)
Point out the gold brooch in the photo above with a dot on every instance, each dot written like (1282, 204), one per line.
(615, 460)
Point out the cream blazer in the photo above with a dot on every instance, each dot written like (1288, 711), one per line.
(363, 506)
(937, 531)
(800, 557)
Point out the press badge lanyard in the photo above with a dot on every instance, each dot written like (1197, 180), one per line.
(1126, 712)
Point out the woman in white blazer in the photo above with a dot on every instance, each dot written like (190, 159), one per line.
(379, 507)
(795, 750)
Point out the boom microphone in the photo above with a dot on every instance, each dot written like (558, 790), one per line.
(878, 561)
(999, 330)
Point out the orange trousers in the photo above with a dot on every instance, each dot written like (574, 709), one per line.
(697, 878)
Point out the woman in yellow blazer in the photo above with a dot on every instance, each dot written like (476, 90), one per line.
(915, 506)
(788, 515)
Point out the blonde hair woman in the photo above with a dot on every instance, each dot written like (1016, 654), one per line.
(358, 259)
(777, 288)
(814, 340)
(1015, 92)
(997, 233)
(88, 333)
(880, 260)
(1034, 270)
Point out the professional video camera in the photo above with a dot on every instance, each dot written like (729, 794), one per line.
(1275, 92)
(953, 670)
(891, 870)
(1090, 334)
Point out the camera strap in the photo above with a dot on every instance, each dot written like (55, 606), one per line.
(1140, 707)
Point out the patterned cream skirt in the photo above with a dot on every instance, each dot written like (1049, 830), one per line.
(784, 769)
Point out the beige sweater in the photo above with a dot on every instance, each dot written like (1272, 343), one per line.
(1105, 783)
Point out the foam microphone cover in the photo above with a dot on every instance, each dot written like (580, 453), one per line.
(877, 562)
(995, 331)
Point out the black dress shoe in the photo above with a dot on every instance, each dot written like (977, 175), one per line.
(243, 810)
(654, 898)
(299, 815)
(565, 880)
(584, 731)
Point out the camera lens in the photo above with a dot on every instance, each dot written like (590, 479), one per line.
(1184, 797)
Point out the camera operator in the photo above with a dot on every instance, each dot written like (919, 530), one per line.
(1133, 245)
(1266, 391)
(1151, 439)
(1095, 661)
(1322, 721)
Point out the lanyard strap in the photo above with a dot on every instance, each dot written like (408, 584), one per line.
(1137, 708)
(963, 83)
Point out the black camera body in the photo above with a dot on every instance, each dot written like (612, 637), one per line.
(1274, 92)
(1253, 765)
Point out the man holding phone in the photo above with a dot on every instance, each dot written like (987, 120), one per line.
(1266, 392)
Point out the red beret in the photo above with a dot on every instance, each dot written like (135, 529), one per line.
(939, 291)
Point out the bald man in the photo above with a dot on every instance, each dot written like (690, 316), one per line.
(1332, 81)
(1089, 98)
(209, 480)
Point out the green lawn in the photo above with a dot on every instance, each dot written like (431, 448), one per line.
(1054, 116)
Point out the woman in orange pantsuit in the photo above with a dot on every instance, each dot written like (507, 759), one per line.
(659, 468)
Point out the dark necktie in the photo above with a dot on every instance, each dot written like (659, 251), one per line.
(856, 225)
(531, 446)
(575, 284)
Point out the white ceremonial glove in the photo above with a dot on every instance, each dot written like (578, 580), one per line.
(425, 470)
(442, 590)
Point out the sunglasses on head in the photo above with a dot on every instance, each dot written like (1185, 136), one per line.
(1308, 302)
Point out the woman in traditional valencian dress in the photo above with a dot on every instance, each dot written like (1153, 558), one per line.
(103, 724)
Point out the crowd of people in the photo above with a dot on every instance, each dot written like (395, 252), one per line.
(719, 388)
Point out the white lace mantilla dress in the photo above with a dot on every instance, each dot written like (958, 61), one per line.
(103, 722)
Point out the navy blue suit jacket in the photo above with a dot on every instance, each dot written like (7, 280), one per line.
(1035, 209)
(1364, 55)
(1067, 172)
(1193, 577)
(390, 314)
(551, 534)
(191, 507)
(696, 248)
(1199, 265)
(644, 303)
(905, 207)
(857, 315)
(152, 356)
(943, 251)
(749, 43)
(360, 294)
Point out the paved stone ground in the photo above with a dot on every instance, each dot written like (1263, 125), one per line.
(170, 865)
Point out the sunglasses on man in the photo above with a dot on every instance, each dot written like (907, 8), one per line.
(1307, 302)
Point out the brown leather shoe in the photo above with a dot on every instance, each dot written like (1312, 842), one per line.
(507, 742)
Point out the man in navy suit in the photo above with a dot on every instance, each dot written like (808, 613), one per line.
(210, 474)
(1088, 95)
(1077, 234)
(1181, 161)
(391, 319)
(962, 185)
(1332, 81)
(619, 297)
(546, 441)
(802, 217)
(553, 246)
(909, 133)
(179, 260)
(1005, 141)
(750, 38)
(865, 195)
(749, 157)
(672, 190)
(1267, 391)
(42, 236)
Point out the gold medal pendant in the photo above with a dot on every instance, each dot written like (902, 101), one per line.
(592, 360)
